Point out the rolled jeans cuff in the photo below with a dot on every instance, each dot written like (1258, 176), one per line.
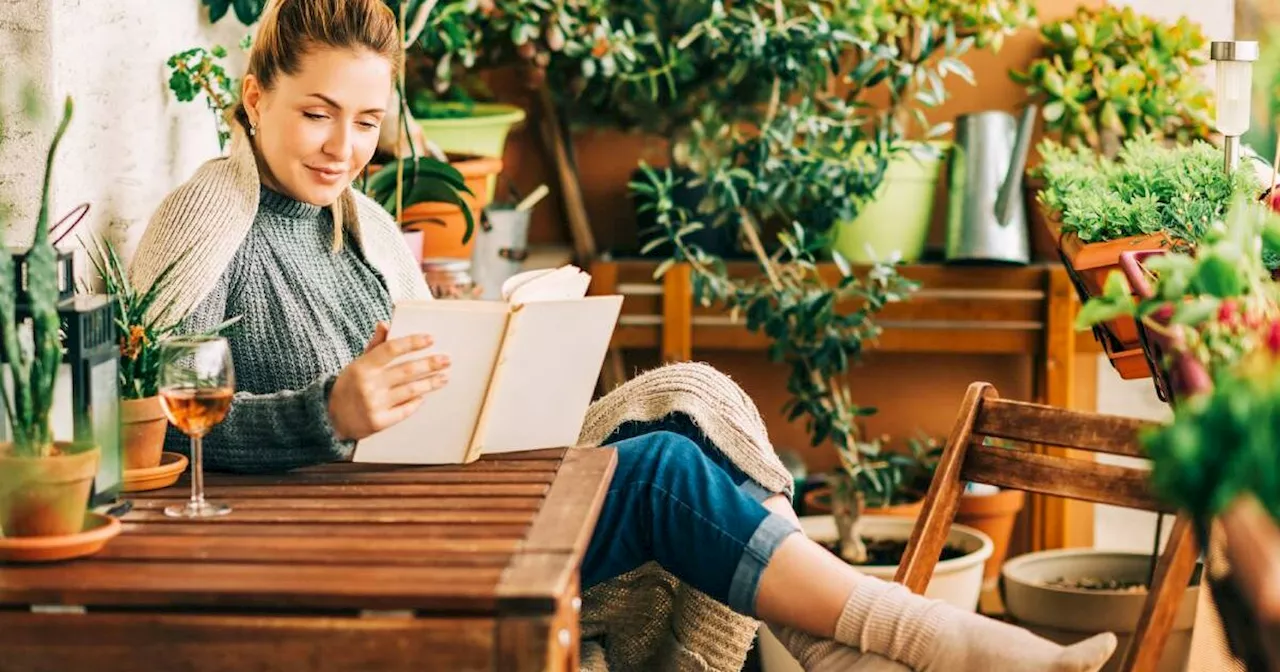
(755, 557)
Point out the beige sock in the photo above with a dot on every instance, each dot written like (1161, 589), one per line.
(824, 655)
(933, 636)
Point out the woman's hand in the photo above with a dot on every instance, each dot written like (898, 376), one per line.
(372, 394)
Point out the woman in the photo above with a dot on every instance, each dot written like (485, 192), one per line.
(280, 239)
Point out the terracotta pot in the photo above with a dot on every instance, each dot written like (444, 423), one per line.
(46, 496)
(1093, 262)
(995, 515)
(818, 502)
(442, 235)
(142, 428)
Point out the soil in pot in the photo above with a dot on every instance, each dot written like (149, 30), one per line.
(1094, 583)
(888, 552)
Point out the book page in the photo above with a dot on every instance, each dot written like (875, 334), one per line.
(561, 284)
(546, 374)
(439, 432)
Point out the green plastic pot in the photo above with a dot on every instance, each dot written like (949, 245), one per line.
(898, 219)
(481, 132)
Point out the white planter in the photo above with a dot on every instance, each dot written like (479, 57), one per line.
(1068, 615)
(957, 581)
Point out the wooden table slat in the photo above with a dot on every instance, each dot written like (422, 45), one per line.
(205, 643)
(399, 477)
(311, 550)
(363, 517)
(358, 503)
(214, 490)
(252, 585)
(435, 532)
(543, 461)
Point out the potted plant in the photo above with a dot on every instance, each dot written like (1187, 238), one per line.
(929, 40)
(460, 124)
(139, 332)
(44, 484)
(718, 81)
(897, 483)
(1109, 73)
(786, 164)
(434, 198)
(1219, 449)
(1200, 312)
(1212, 310)
(1151, 196)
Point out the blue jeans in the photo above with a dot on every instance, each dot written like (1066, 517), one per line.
(676, 500)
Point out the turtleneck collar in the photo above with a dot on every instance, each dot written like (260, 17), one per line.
(273, 201)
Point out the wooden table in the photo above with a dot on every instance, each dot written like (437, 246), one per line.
(341, 567)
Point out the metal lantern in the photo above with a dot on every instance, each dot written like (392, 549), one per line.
(88, 381)
(1233, 62)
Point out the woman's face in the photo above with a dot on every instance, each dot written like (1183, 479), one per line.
(317, 129)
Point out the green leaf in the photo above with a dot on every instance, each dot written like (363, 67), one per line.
(1096, 311)
(1196, 310)
(1217, 277)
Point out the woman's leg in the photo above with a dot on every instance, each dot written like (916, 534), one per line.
(670, 502)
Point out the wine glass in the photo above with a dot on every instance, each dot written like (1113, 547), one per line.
(197, 383)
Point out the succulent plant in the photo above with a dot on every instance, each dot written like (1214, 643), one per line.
(33, 357)
(1111, 73)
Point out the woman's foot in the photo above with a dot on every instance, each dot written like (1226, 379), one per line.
(933, 636)
(825, 655)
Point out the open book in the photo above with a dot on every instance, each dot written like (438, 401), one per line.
(522, 370)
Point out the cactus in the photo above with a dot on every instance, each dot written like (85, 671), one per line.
(33, 364)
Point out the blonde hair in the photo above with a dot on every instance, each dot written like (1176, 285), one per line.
(290, 29)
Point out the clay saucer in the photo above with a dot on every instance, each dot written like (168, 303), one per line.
(98, 530)
(153, 478)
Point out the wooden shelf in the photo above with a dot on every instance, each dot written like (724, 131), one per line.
(961, 310)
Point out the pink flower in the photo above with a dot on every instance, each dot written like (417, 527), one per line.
(1273, 338)
(1227, 312)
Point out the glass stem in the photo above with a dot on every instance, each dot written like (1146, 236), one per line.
(197, 471)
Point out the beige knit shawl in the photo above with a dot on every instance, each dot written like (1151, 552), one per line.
(211, 214)
(643, 620)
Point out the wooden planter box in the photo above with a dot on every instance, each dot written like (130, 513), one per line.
(1089, 264)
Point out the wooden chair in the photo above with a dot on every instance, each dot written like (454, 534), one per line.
(965, 458)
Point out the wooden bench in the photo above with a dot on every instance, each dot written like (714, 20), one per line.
(341, 567)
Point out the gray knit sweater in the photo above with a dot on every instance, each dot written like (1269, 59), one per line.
(305, 313)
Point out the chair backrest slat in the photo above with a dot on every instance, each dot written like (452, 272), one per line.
(1048, 426)
(967, 457)
(1060, 476)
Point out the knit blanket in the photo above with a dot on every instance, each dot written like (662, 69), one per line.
(646, 619)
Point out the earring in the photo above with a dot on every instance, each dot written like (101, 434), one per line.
(253, 129)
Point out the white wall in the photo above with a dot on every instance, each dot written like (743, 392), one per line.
(1126, 529)
(130, 141)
